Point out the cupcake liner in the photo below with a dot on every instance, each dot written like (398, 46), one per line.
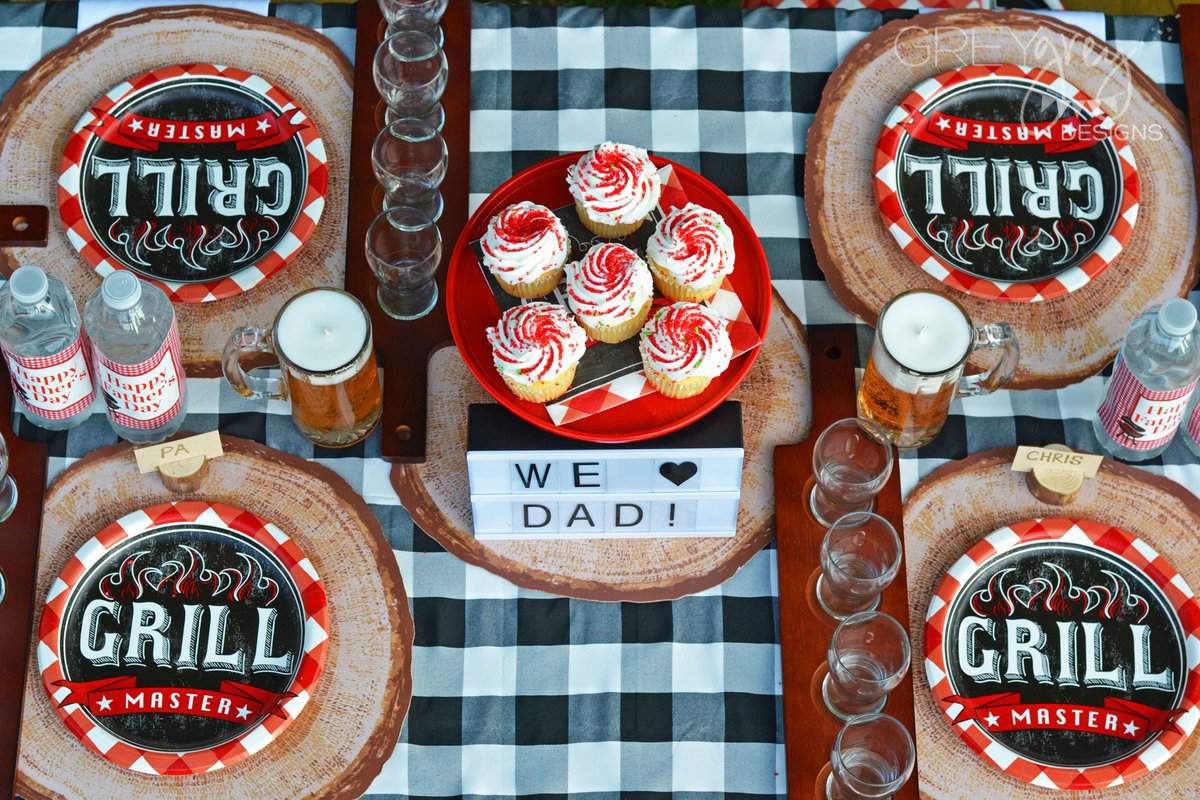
(530, 290)
(675, 290)
(612, 334)
(606, 231)
(542, 391)
(678, 390)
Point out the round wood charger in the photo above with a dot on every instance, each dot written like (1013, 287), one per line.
(1062, 340)
(776, 409)
(40, 111)
(964, 501)
(339, 742)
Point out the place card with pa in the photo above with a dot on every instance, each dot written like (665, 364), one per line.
(527, 483)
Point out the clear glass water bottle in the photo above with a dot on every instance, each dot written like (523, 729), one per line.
(1153, 377)
(43, 347)
(136, 356)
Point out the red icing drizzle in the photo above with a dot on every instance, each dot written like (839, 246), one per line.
(518, 228)
(611, 172)
(543, 328)
(692, 237)
(683, 334)
(602, 282)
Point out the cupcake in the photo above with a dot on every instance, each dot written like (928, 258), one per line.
(615, 187)
(536, 348)
(684, 346)
(690, 253)
(610, 290)
(525, 248)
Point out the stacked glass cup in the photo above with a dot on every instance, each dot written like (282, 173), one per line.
(409, 157)
(870, 653)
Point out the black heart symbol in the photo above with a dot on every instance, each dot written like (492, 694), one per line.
(678, 474)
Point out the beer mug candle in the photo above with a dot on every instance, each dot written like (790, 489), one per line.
(322, 338)
(922, 342)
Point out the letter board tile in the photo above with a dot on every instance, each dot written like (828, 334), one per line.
(528, 483)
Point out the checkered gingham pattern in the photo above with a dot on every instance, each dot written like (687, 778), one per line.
(1082, 532)
(216, 515)
(896, 127)
(80, 234)
(522, 694)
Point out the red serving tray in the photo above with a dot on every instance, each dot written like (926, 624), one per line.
(472, 309)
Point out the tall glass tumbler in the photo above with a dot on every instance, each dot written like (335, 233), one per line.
(860, 557)
(410, 73)
(868, 657)
(872, 757)
(8, 486)
(404, 248)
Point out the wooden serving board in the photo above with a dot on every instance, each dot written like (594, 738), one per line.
(41, 109)
(1062, 340)
(964, 501)
(776, 407)
(340, 741)
(804, 629)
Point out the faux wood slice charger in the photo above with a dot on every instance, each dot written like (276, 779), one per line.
(295, 63)
(980, 508)
(1075, 328)
(337, 743)
(776, 409)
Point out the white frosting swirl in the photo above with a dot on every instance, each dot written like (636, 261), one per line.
(609, 285)
(686, 340)
(524, 242)
(694, 245)
(616, 184)
(536, 342)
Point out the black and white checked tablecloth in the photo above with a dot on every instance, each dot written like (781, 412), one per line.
(518, 693)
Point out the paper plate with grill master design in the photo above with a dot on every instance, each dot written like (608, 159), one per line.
(1063, 651)
(183, 637)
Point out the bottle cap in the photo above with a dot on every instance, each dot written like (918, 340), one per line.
(28, 285)
(121, 290)
(1177, 317)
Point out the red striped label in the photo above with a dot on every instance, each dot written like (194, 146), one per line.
(52, 387)
(1140, 418)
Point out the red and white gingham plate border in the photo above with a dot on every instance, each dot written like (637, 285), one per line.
(1104, 537)
(202, 292)
(898, 225)
(275, 541)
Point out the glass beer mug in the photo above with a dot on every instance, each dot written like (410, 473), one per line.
(322, 338)
(922, 342)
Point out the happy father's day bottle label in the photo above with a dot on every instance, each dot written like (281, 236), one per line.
(146, 395)
(52, 387)
(1140, 418)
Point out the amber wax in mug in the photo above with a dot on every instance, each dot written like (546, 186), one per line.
(921, 343)
(333, 382)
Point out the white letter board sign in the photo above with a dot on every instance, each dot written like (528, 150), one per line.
(527, 483)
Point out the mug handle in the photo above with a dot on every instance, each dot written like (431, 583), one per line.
(250, 340)
(996, 335)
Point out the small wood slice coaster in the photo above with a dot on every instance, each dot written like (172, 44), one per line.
(776, 409)
(40, 111)
(966, 500)
(1064, 339)
(337, 745)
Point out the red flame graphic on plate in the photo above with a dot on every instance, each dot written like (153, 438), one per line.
(190, 582)
(1058, 595)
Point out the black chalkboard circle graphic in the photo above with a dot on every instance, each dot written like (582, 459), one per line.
(183, 637)
(1006, 182)
(203, 179)
(1063, 652)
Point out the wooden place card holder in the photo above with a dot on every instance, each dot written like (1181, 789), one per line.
(527, 483)
(805, 631)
